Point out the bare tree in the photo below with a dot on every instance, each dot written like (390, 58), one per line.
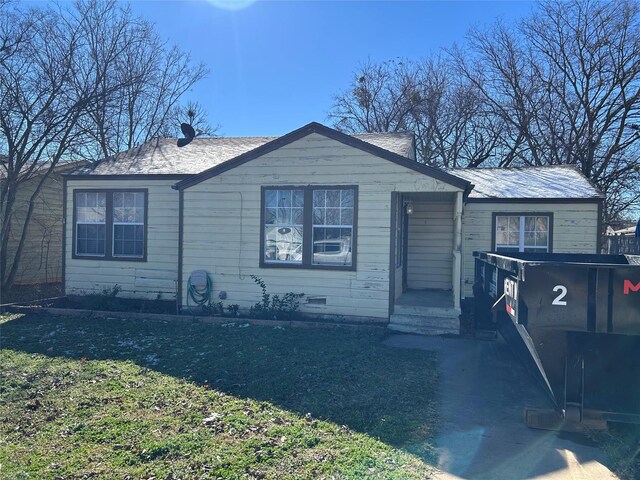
(154, 76)
(381, 98)
(195, 115)
(63, 74)
(561, 87)
(425, 98)
(451, 129)
(567, 83)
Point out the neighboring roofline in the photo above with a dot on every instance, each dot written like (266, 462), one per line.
(59, 169)
(535, 200)
(130, 176)
(315, 127)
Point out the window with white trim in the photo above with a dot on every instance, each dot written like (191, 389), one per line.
(310, 227)
(522, 233)
(110, 224)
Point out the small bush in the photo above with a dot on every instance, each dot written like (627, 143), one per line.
(232, 310)
(274, 307)
(105, 300)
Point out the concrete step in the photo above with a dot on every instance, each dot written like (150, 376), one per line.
(441, 312)
(424, 325)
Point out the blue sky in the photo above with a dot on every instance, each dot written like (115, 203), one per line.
(276, 65)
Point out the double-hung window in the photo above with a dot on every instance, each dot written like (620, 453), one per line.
(91, 221)
(530, 232)
(310, 227)
(128, 224)
(110, 224)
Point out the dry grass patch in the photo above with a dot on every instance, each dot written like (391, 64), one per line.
(88, 398)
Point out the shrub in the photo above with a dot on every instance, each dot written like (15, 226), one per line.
(274, 307)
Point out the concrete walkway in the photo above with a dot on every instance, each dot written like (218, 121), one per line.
(483, 390)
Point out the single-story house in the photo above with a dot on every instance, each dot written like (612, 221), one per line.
(352, 221)
(41, 258)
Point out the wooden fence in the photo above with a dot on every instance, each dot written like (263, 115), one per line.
(616, 245)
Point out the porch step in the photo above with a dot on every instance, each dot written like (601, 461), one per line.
(423, 311)
(425, 325)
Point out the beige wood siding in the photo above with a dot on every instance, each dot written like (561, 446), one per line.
(41, 259)
(222, 226)
(156, 276)
(430, 246)
(575, 229)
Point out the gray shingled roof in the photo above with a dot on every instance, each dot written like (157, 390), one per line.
(555, 182)
(163, 157)
(62, 166)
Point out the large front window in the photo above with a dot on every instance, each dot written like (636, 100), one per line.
(309, 226)
(110, 224)
(523, 233)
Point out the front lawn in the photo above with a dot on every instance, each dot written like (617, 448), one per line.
(95, 398)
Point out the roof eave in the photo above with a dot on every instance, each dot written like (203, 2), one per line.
(534, 199)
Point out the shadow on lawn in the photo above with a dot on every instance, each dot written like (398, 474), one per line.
(348, 378)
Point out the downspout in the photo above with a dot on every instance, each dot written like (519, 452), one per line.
(457, 249)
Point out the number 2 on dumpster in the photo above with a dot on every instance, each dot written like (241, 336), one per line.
(559, 299)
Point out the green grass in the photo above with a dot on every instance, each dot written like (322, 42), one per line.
(87, 398)
(622, 445)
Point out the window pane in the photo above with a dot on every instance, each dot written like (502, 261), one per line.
(542, 224)
(90, 207)
(90, 223)
(297, 216)
(125, 209)
(333, 216)
(318, 216)
(298, 198)
(542, 239)
(271, 198)
(535, 235)
(90, 239)
(283, 244)
(331, 246)
(333, 198)
(529, 238)
(319, 198)
(284, 216)
(347, 198)
(270, 215)
(346, 217)
(529, 224)
(128, 240)
(284, 198)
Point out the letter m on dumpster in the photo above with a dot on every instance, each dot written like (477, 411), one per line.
(629, 287)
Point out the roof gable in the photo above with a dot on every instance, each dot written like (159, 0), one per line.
(314, 127)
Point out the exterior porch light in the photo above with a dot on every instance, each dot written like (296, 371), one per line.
(409, 208)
